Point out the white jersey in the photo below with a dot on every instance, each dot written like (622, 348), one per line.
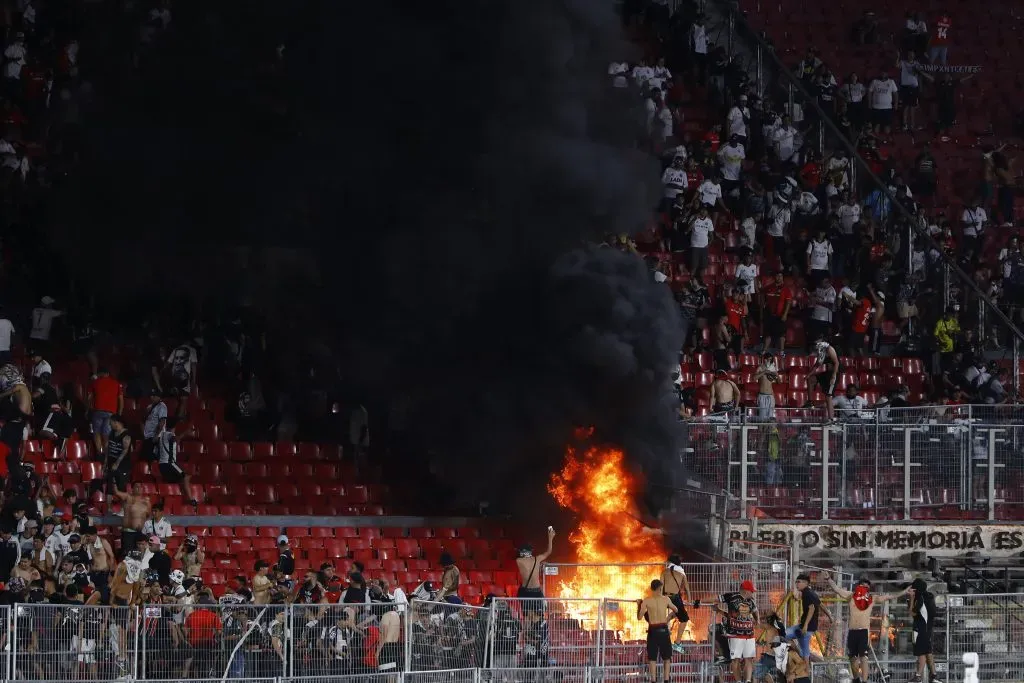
(674, 181)
(819, 254)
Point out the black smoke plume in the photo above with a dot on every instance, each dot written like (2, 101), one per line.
(417, 186)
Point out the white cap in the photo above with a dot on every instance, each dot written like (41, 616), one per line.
(47, 300)
(282, 539)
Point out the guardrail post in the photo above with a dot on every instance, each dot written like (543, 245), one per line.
(824, 471)
(991, 478)
(907, 433)
(744, 495)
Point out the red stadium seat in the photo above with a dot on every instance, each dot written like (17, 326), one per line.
(239, 451)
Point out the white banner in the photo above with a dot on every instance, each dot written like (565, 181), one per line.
(891, 540)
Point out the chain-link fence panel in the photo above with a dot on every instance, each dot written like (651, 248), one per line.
(881, 670)
(990, 625)
(708, 446)
(443, 676)
(687, 672)
(550, 674)
(534, 632)
(213, 641)
(624, 642)
(6, 619)
(445, 636)
(73, 642)
(342, 678)
(342, 640)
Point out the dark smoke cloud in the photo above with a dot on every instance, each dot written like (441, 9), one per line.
(424, 206)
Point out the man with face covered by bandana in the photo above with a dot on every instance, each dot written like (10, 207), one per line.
(529, 573)
(861, 601)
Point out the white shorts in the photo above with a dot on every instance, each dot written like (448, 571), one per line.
(85, 648)
(742, 648)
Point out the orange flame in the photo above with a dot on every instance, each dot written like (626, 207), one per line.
(892, 635)
(596, 486)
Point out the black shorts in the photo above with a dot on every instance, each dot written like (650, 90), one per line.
(534, 605)
(856, 340)
(13, 433)
(775, 327)
(390, 657)
(910, 95)
(857, 643)
(922, 640)
(881, 117)
(659, 644)
(171, 473)
(827, 382)
(677, 601)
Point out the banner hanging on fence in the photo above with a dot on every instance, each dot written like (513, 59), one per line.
(891, 540)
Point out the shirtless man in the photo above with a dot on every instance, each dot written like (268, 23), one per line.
(16, 413)
(191, 556)
(724, 393)
(657, 608)
(126, 587)
(721, 342)
(389, 652)
(102, 556)
(529, 575)
(25, 570)
(136, 512)
(767, 375)
(677, 587)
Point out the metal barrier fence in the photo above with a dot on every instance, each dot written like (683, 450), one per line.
(211, 641)
(930, 466)
(991, 626)
(441, 636)
(73, 642)
(564, 633)
(334, 640)
(622, 648)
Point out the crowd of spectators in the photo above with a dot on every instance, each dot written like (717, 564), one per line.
(772, 241)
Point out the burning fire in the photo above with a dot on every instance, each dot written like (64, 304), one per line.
(595, 484)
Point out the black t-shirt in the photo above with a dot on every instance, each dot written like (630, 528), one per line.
(286, 562)
(808, 599)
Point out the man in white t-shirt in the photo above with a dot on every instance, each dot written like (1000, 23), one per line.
(784, 141)
(641, 72)
(910, 89)
(848, 214)
(974, 220)
(746, 276)
(660, 75)
(619, 72)
(673, 182)
(883, 99)
(737, 120)
(699, 43)
(702, 228)
(730, 159)
(709, 193)
(823, 303)
(42, 321)
(819, 256)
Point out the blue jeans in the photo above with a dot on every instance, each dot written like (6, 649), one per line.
(805, 641)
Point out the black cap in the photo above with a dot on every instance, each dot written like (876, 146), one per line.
(50, 520)
(803, 577)
(74, 538)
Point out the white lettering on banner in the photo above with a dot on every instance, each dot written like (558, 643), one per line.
(948, 69)
(890, 540)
